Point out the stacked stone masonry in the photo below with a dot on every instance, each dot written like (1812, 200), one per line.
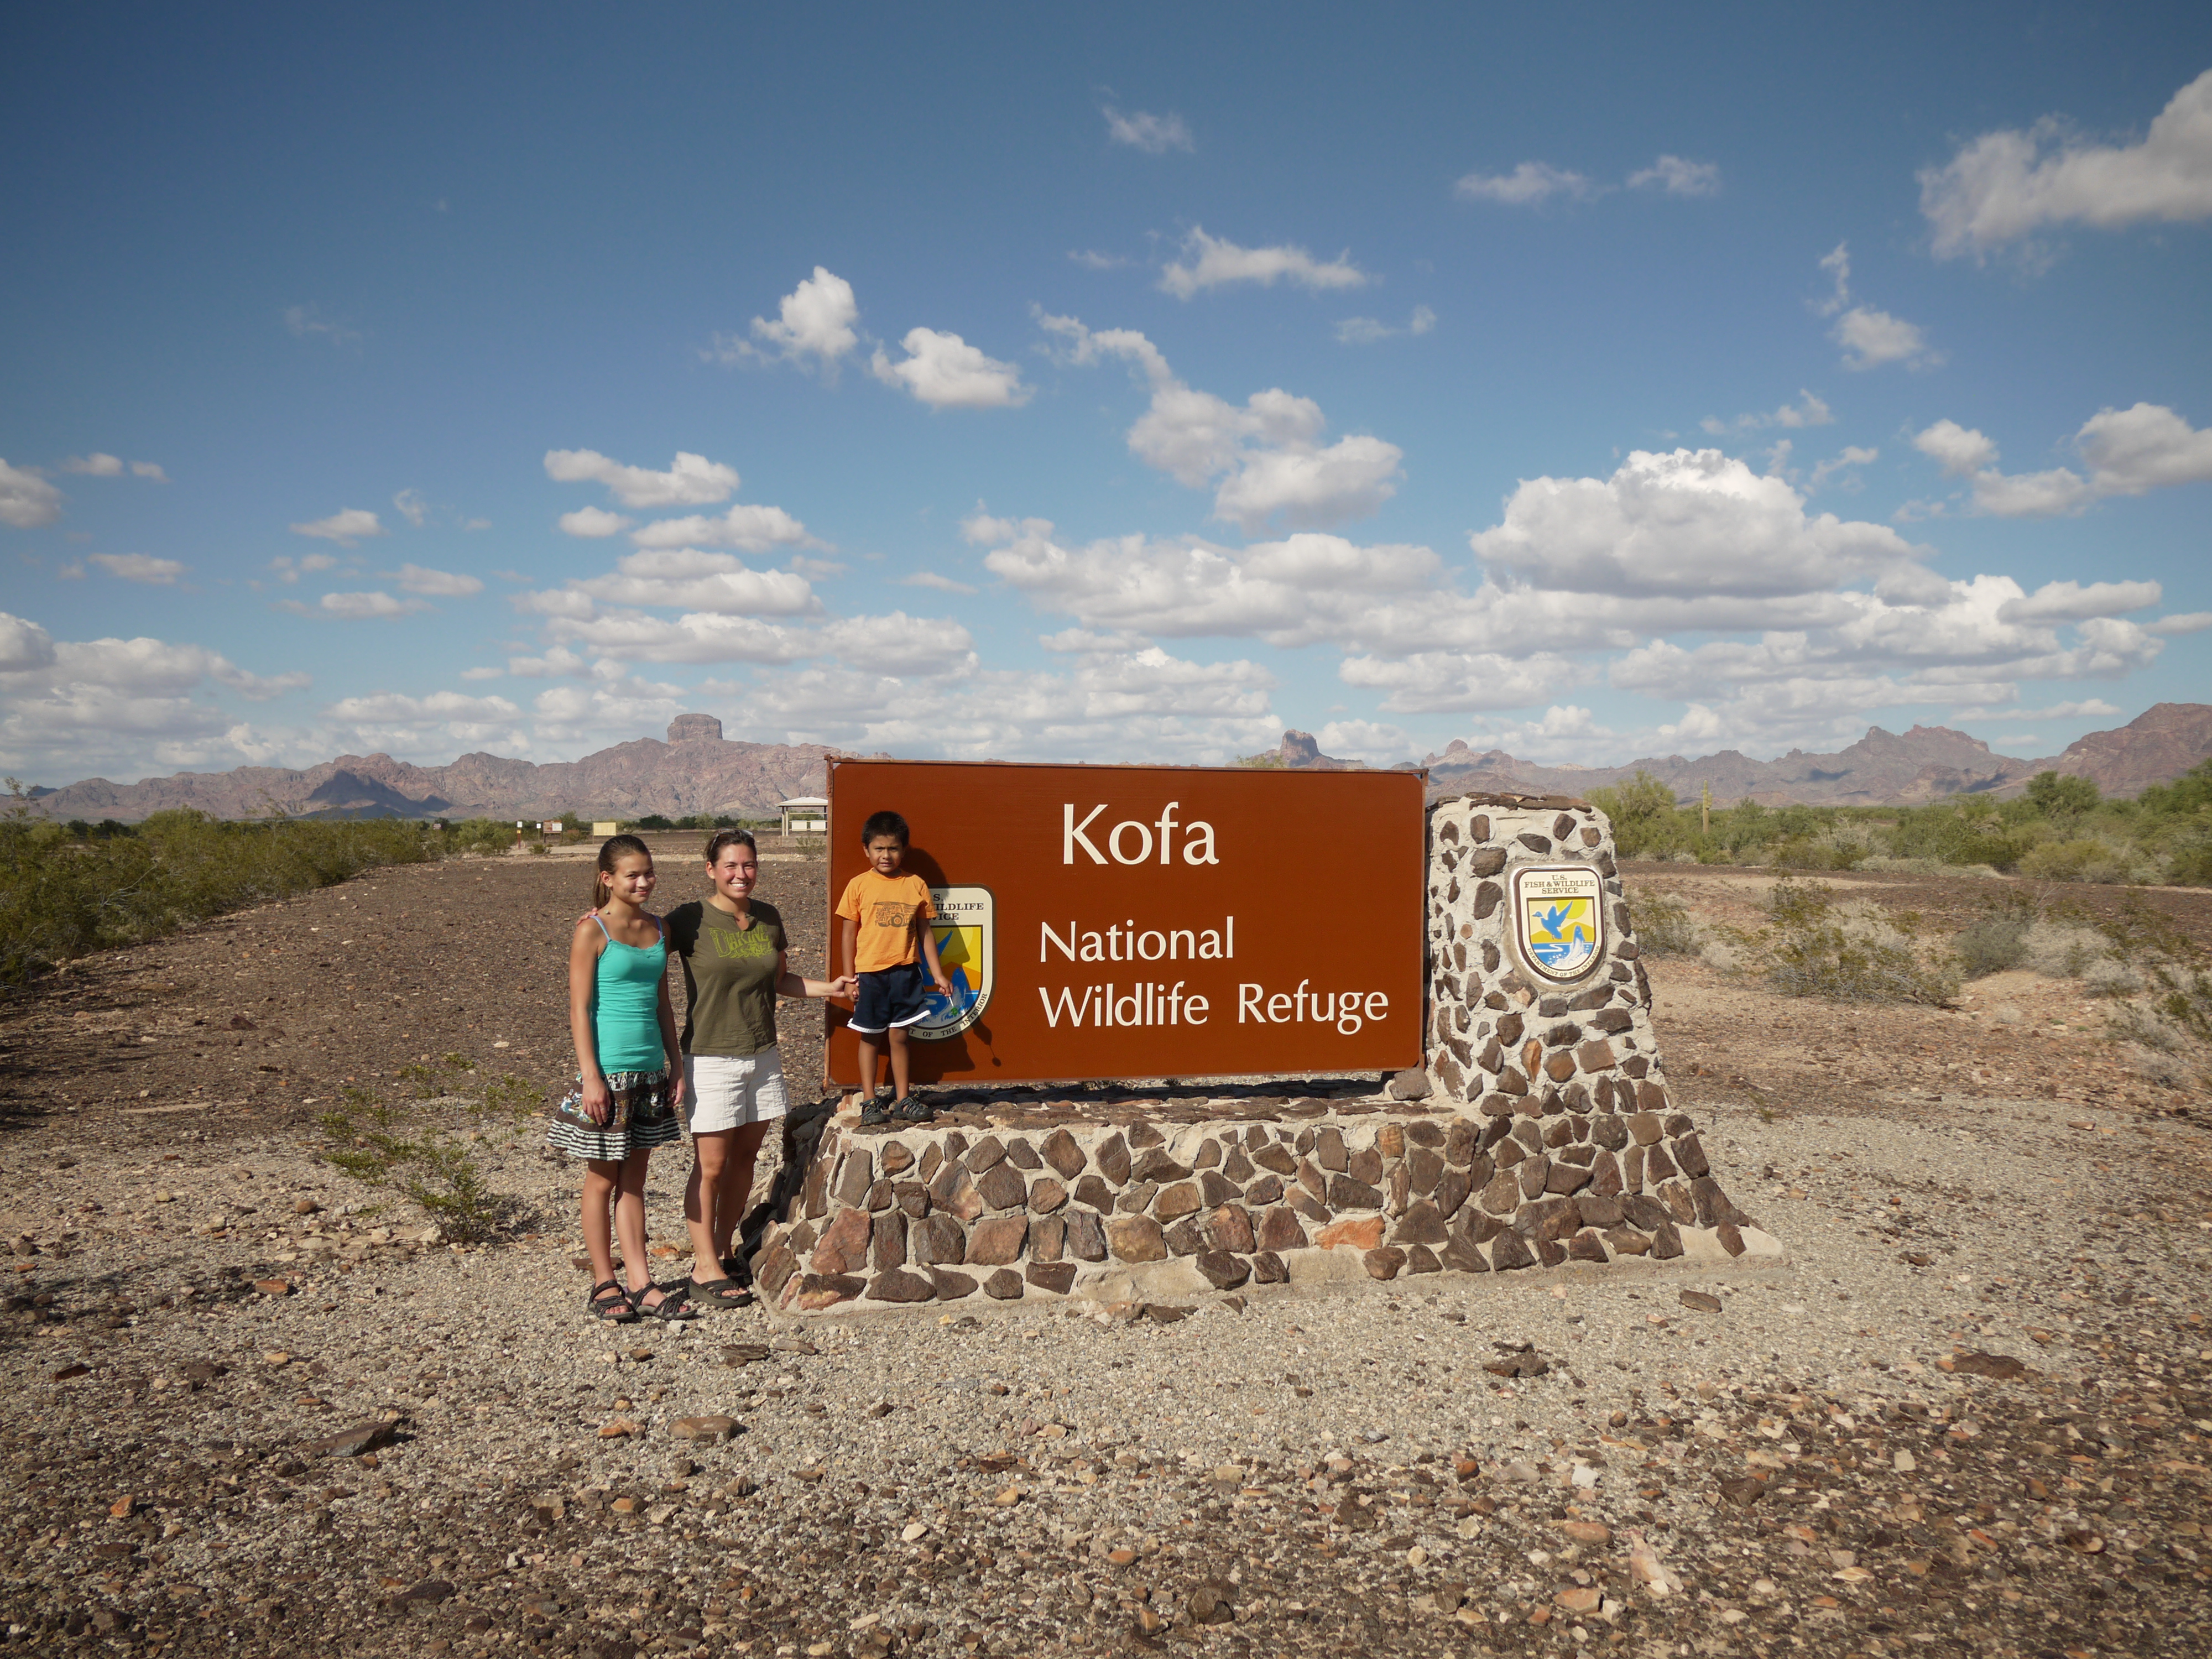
(1541, 1134)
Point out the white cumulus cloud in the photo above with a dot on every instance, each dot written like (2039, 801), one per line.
(1213, 262)
(368, 607)
(1266, 459)
(345, 527)
(442, 584)
(692, 481)
(594, 522)
(1366, 331)
(945, 371)
(1870, 337)
(139, 567)
(1687, 522)
(815, 323)
(1677, 177)
(1526, 185)
(1808, 410)
(1155, 135)
(744, 525)
(95, 465)
(2006, 185)
(26, 499)
(2126, 451)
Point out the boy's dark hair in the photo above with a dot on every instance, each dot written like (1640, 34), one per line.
(880, 824)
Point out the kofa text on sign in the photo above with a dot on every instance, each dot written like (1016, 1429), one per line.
(1134, 841)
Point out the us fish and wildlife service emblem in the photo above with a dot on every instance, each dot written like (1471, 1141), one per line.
(965, 951)
(1558, 920)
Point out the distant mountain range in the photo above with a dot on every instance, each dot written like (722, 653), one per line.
(1882, 768)
(698, 770)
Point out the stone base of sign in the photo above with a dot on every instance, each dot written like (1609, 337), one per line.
(1541, 1135)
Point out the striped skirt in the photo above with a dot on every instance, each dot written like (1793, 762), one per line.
(641, 1116)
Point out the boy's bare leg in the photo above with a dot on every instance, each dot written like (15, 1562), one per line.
(897, 1037)
(868, 1051)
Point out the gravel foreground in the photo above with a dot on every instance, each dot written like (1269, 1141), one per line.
(1967, 1414)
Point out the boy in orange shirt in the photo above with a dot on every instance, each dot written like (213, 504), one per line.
(887, 915)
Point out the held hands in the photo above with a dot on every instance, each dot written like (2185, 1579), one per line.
(845, 988)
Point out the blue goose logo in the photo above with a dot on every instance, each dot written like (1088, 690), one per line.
(1559, 919)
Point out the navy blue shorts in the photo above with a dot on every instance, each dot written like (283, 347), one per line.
(891, 997)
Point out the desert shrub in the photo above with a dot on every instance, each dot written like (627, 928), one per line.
(1816, 947)
(60, 900)
(478, 836)
(1806, 853)
(2164, 1018)
(1663, 925)
(2098, 859)
(1993, 943)
(1645, 822)
(2058, 795)
(406, 1148)
(2064, 950)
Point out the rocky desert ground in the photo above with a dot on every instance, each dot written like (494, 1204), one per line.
(255, 1407)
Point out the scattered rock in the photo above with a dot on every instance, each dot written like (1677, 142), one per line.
(711, 1430)
(353, 1442)
(1703, 1301)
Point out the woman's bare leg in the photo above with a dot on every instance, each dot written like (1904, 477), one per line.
(737, 1188)
(703, 1201)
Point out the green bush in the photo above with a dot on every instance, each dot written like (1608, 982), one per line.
(1645, 824)
(61, 899)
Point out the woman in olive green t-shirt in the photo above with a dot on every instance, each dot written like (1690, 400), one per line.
(732, 950)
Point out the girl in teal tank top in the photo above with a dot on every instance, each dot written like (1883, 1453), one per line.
(630, 1077)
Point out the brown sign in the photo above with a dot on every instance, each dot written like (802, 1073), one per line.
(1136, 921)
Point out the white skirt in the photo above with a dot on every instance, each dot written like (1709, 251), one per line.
(727, 1092)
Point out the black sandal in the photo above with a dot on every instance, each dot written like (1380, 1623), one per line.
(611, 1302)
(912, 1109)
(717, 1293)
(671, 1307)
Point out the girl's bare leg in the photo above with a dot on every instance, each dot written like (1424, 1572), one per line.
(600, 1179)
(630, 1226)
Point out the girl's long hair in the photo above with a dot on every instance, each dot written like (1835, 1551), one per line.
(612, 851)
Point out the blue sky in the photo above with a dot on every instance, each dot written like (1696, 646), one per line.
(1119, 385)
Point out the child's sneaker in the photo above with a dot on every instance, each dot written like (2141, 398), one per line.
(914, 1110)
(878, 1108)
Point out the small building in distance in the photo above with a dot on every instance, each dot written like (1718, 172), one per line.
(805, 815)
